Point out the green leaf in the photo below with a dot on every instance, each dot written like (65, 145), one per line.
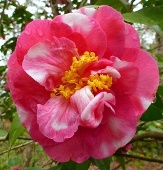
(3, 133)
(68, 166)
(58, 167)
(16, 130)
(75, 166)
(13, 162)
(152, 113)
(83, 166)
(160, 90)
(103, 164)
(119, 5)
(2, 69)
(121, 160)
(33, 168)
(151, 16)
(158, 103)
(8, 45)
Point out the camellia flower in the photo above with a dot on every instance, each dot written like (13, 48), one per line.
(81, 82)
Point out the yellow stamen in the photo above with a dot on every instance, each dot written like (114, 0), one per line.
(72, 80)
(101, 82)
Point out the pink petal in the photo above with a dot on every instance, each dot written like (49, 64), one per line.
(78, 148)
(117, 132)
(127, 83)
(114, 28)
(90, 107)
(25, 92)
(37, 135)
(60, 29)
(96, 66)
(57, 119)
(87, 27)
(35, 31)
(47, 61)
(86, 11)
(93, 113)
(148, 79)
(108, 70)
(80, 42)
(100, 142)
(132, 37)
(27, 98)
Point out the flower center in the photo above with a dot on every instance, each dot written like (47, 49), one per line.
(73, 81)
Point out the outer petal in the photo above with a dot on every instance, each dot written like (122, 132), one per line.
(147, 81)
(57, 119)
(90, 107)
(131, 38)
(47, 61)
(114, 28)
(36, 134)
(78, 148)
(25, 92)
(37, 31)
(34, 32)
(87, 27)
(117, 131)
(86, 11)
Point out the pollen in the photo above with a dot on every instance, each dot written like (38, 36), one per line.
(100, 82)
(73, 79)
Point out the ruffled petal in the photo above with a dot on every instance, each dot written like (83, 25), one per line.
(108, 70)
(91, 107)
(117, 131)
(57, 119)
(147, 81)
(47, 61)
(100, 142)
(87, 27)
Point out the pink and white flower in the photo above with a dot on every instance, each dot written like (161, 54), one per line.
(81, 82)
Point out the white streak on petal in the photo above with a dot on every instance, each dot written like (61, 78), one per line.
(38, 50)
(59, 126)
(104, 149)
(37, 74)
(116, 125)
(22, 113)
(108, 70)
(108, 97)
(78, 22)
(125, 139)
(86, 11)
(145, 102)
(25, 116)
